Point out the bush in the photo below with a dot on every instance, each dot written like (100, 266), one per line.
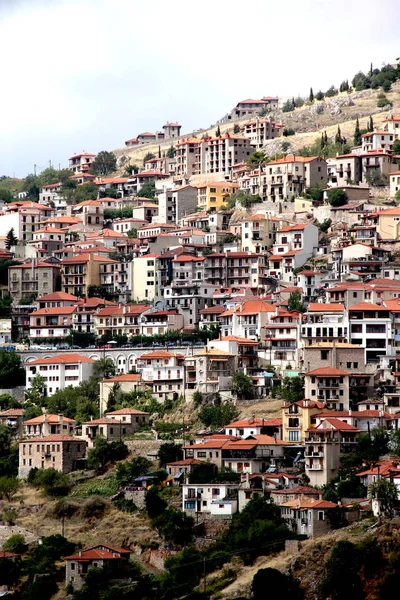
(383, 101)
(94, 508)
(9, 486)
(53, 483)
(65, 508)
(16, 543)
(288, 131)
(129, 470)
(337, 197)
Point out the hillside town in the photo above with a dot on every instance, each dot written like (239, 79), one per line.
(210, 325)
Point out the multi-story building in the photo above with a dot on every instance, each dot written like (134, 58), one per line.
(119, 320)
(309, 281)
(171, 130)
(376, 139)
(60, 371)
(259, 232)
(61, 452)
(309, 516)
(51, 322)
(219, 154)
(113, 427)
(49, 424)
(80, 163)
(324, 446)
(219, 499)
(164, 370)
(248, 320)
(188, 157)
(324, 323)
(330, 386)
(20, 320)
(363, 260)
(261, 130)
(145, 278)
(160, 322)
(84, 270)
(282, 339)
(175, 204)
(394, 183)
(344, 169)
(33, 279)
(298, 417)
(188, 298)
(371, 326)
(252, 107)
(214, 369)
(51, 193)
(109, 558)
(90, 212)
(25, 218)
(293, 247)
(83, 316)
(213, 196)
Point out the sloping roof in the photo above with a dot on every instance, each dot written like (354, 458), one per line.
(368, 306)
(54, 310)
(299, 503)
(52, 419)
(327, 372)
(185, 462)
(127, 411)
(57, 296)
(157, 354)
(327, 307)
(62, 359)
(13, 412)
(132, 377)
(338, 424)
(250, 422)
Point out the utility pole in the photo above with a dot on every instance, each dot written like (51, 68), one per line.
(50, 163)
(34, 170)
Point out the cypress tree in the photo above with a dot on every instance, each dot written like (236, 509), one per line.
(11, 239)
(370, 124)
(159, 151)
(357, 134)
(338, 136)
(326, 138)
(311, 96)
(218, 132)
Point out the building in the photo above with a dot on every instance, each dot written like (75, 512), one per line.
(219, 154)
(261, 130)
(182, 468)
(294, 245)
(165, 371)
(324, 446)
(33, 279)
(80, 163)
(110, 429)
(259, 233)
(13, 419)
(24, 217)
(371, 326)
(218, 499)
(298, 417)
(171, 130)
(394, 183)
(249, 319)
(119, 320)
(188, 157)
(250, 107)
(308, 516)
(145, 278)
(175, 204)
(5, 331)
(330, 386)
(80, 272)
(61, 371)
(324, 322)
(90, 212)
(213, 370)
(51, 322)
(61, 452)
(213, 196)
(128, 382)
(160, 322)
(102, 556)
(48, 424)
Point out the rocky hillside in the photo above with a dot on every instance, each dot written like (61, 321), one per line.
(308, 121)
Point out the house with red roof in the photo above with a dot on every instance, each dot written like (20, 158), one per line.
(260, 130)
(164, 372)
(324, 445)
(34, 278)
(49, 424)
(252, 107)
(298, 417)
(61, 371)
(103, 556)
(330, 386)
(126, 382)
(308, 516)
(87, 269)
(13, 419)
(119, 320)
(91, 213)
(248, 319)
(114, 425)
(80, 163)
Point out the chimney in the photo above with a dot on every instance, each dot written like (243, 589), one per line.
(350, 412)
(306, 403)
(80, 552)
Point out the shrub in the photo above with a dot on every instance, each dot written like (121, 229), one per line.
(53, 483)
(94, 508)
(65, 508)
(337, 197)
(383, 101)
(288, 131)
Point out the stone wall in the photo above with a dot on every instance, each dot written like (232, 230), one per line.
(137, 496)
(18, 392)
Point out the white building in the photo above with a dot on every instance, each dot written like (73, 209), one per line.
(212, 498)
(293, 247)
(60, 371)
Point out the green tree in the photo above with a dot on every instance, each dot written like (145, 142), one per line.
(293, 389)
(242, 385)
(16, 543)
(337, 197)
(104, 163)
(370, 126)
(54, 483)
(148, 156)
(11, 239)
(9, 486)
(295, 301)
(357, 134)
(203, 473)
(6, 196)
(171, 152)
(319, 95)
(86, 191)
(386, 494)
(342, 580)
(128, 471)
(257, 160)
(5, 307)
(396, 147)
(169, 453)
(12, 373)
(218, 416)
(311, 95)
(338, 136)
(132, 233)
(148, 190)
(155, 505)
(104, 368)
(174, 526)
(37, 391)
(131, 169)
(332, 91)
(383, 101)
(218, 132)
(325, 225)
(105, 452)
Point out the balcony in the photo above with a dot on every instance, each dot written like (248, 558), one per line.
(314, 454)
(314, 467)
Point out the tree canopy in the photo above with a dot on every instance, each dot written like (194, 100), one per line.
(104, 163)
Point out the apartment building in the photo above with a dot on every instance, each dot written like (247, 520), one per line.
(252, 107)
(282, 339)
(35, 278)
(51, 194)
(159, 322)
(344, 169)
(175, 204)
(294, 245)
(164, 371)
(25, 218)
(80, 163)
(212, 370)
(377, 163)
(213, 196)
(219, 154)
(51, 322)
(261, 130)
(80, 272)
(309, 281)
(61, 452)
(298, 417)
(48, 239)
(324, 322)
(371, 326)
(330, 386)
(259, 232)
(377, 139)
(120, 320)
(83, 316)
(188, 157)
(219, 499)
(61, 371)
(247, 320)
(188, 298)
(324, 446)
(363, 260)
(90, 212)
(144, 284)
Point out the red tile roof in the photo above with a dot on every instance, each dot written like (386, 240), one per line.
(325, 307)
(327, 372)
(50, 418)
(13, 412)
(61, 359)
(132, 377)
(185, 462)
(367, 306)
(127, 411)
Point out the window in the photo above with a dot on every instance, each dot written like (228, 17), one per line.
(324, 354)
(320, 515)
(294, 436)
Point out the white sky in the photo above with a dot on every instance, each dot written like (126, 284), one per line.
(89, 74)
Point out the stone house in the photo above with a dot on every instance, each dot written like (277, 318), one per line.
(180, 468)
(61, 452)
(13, 419)
(49, 424)
(35, 278)
(101, 556)
(128, 382)
(308, 516)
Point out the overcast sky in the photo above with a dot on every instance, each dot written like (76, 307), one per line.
(89, 74)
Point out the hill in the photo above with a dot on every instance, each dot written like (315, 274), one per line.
(309, 122)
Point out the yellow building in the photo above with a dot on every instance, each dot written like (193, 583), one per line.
(259, 232)
(388, 225)
(297, 418)
(212, 196)
(79, 272)
(145, 277)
